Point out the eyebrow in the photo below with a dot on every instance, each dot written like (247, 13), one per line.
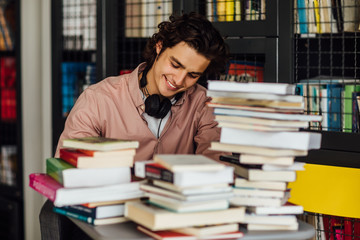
(182, 66)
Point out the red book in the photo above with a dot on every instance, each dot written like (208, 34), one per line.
(81, 160)
(44, 184)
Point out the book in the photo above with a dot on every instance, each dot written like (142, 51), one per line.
(81, 160)
(105, 211)
(263, 151)
(185, 206)
(202, 231)
(149, 188)
(172, 234)
(99, 143)
(93, 221)
(347, 103)
(286, 140)
(258, 159)
(267, 115)
(249, 201)
(254, 96)
(156, 171)
(269, 219)
(60, 196)
(254, 192)
(254, 173)
(284, 209)
(302, 16)
(242, 182)
(255, 127)
(156, 218)
(117, 153)
(71, 177)
(106, 203)
(296, 166)
(187, 162)
(252, 87)
(165, 234)
(202, 189)
(261, 121)
(254, 108)
(334, 103)
(270, 227)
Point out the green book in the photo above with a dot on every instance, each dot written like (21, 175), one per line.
(349, 89)
(54, 168)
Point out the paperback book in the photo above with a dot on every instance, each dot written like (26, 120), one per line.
(99, 143)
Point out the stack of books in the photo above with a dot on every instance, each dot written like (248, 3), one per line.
(91, 181)
(185, 192)
(260, 124)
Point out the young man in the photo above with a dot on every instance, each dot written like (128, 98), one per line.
(160, 103)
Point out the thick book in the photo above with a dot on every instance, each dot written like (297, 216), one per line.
(116, 153)
(242, 182)
(174, 235)
(286, 140)
(252, 87)
(156, 218)
(251, 201)
(202, 231)
(258, 159)
(254, 127)
(71, 177)
(270, 227)
(105, 211)
(263, 151)
(203, 189)
(255, 108)
(179, 206)
(149, 188)
(187, 162)
(93, 221)
(254, 172)
(54, 191)
(156, 171)
(99, 143)
(81, 160)
(254, 192)
(267, 115)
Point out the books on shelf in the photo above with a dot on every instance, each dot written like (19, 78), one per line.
(99, 143)
(287, 140)
(61, 196)
(187, 162)
(70, 176)
(156, 218)
(81, 160)
(156, 171)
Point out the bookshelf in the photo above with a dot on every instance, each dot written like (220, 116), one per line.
(11, 166)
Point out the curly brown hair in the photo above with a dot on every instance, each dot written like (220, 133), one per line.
(195, 30)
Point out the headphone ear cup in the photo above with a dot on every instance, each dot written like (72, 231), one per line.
(165, 107)
(152, 105)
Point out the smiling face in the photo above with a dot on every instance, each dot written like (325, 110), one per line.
(175, 70)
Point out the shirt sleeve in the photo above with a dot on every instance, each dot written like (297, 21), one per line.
(83, 120)
(207, 132)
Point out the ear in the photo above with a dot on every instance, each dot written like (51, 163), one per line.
(158, 47)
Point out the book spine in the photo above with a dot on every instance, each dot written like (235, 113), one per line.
(80, 210)
(68, 157)
(40, 184)
(153, 172)
(73, 215)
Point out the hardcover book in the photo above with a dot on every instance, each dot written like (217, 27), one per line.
(71, 177)
(187, 162)
(156, 171)
(81, 160)
(105, 211)
(54, 191)
(156, 218)
(99, 143)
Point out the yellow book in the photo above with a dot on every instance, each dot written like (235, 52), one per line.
(237, 10)
(229, 7)
(221, 10)
(317, 16)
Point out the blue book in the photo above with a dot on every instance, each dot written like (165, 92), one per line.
(301, 8)
(334, 107)
(355, 112)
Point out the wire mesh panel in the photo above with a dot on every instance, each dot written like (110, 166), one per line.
(326, 61)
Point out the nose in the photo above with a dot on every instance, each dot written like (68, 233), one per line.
(180, 78)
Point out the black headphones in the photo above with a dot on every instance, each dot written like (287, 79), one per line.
(153, 105)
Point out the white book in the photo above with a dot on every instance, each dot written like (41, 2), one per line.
(187, 162)
(285, 209)
(256, 201)
(242, 182)
(252, 87)
(254, 192)
(258, 159)
(286, 140)
(273, 220)
(271, 227)
(267, 115)
(297, 166)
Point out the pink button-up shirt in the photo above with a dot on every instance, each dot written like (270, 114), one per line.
(113, 108)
